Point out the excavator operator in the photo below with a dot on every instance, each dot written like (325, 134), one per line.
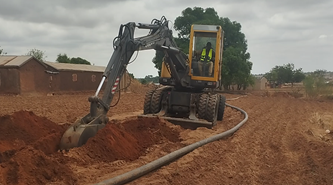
(206, 60)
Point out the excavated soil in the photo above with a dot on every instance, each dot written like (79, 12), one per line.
(29, 147)
(28, 150)
(126, 141)
(285, 141)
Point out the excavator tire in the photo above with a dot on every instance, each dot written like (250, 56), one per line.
(147, 102)
(212, 108)
(208, 107)
(221, 108)
(155, 103)
(201, 106)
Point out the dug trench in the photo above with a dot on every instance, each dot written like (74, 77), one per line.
(29, 147)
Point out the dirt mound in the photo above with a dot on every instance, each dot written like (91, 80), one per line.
(28, 146)
(31, 166)
(137, 87)
(24, 128)
(126, 141)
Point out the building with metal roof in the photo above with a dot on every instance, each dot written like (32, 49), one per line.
(26, 74)
(19, 74)
(15, 61)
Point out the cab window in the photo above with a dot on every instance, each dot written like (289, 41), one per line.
(203, 54)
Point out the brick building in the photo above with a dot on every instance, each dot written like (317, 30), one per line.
(22, 74)
(26, 74)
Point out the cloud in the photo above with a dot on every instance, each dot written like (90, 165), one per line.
(277, 32)
(82, 13)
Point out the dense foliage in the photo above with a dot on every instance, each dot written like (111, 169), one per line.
(149, 79)
(285, 74)
(63, 58)
(38, 54)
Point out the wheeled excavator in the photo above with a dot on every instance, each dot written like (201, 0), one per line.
(186, 92)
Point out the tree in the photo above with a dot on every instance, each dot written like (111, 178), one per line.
(79, 60)
(285, 74)
(38, 54)
(157, 60)
(298, 75)
(319, 73)
(236, 67)
(149, 79)
(143, 81)
(131, 75)
(63, 58)
(2, 52)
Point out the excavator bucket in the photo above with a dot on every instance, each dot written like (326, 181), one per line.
(78, 134)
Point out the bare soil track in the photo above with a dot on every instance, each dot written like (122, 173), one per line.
(283, 142)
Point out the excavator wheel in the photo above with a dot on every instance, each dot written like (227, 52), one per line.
(153, 99)
(147, 102)
(155, 104)
(212, 109)
(208, 107)
(221, 108)
(201, 106)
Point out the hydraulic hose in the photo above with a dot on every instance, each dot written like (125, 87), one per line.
(138, 172)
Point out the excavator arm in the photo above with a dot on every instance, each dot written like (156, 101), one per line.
(159, 38)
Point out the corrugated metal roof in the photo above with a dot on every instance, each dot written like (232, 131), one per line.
(75, 67)
(17, 61)
(10, 60)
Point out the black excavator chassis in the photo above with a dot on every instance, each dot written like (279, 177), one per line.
(199, 108)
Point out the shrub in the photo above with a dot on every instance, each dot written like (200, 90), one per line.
(315, 86)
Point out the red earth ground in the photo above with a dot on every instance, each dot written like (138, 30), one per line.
(283, 142)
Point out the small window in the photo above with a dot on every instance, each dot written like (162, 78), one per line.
(74, 77)
(93, 78)
(51, 78)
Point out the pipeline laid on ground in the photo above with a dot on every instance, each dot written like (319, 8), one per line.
(145, 169)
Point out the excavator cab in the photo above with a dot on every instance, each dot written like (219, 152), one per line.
(205, 65)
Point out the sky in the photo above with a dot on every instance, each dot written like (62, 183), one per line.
(277, 31)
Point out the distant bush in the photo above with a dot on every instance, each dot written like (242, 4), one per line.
(315, 86)
(143, 81)
(149, 79)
